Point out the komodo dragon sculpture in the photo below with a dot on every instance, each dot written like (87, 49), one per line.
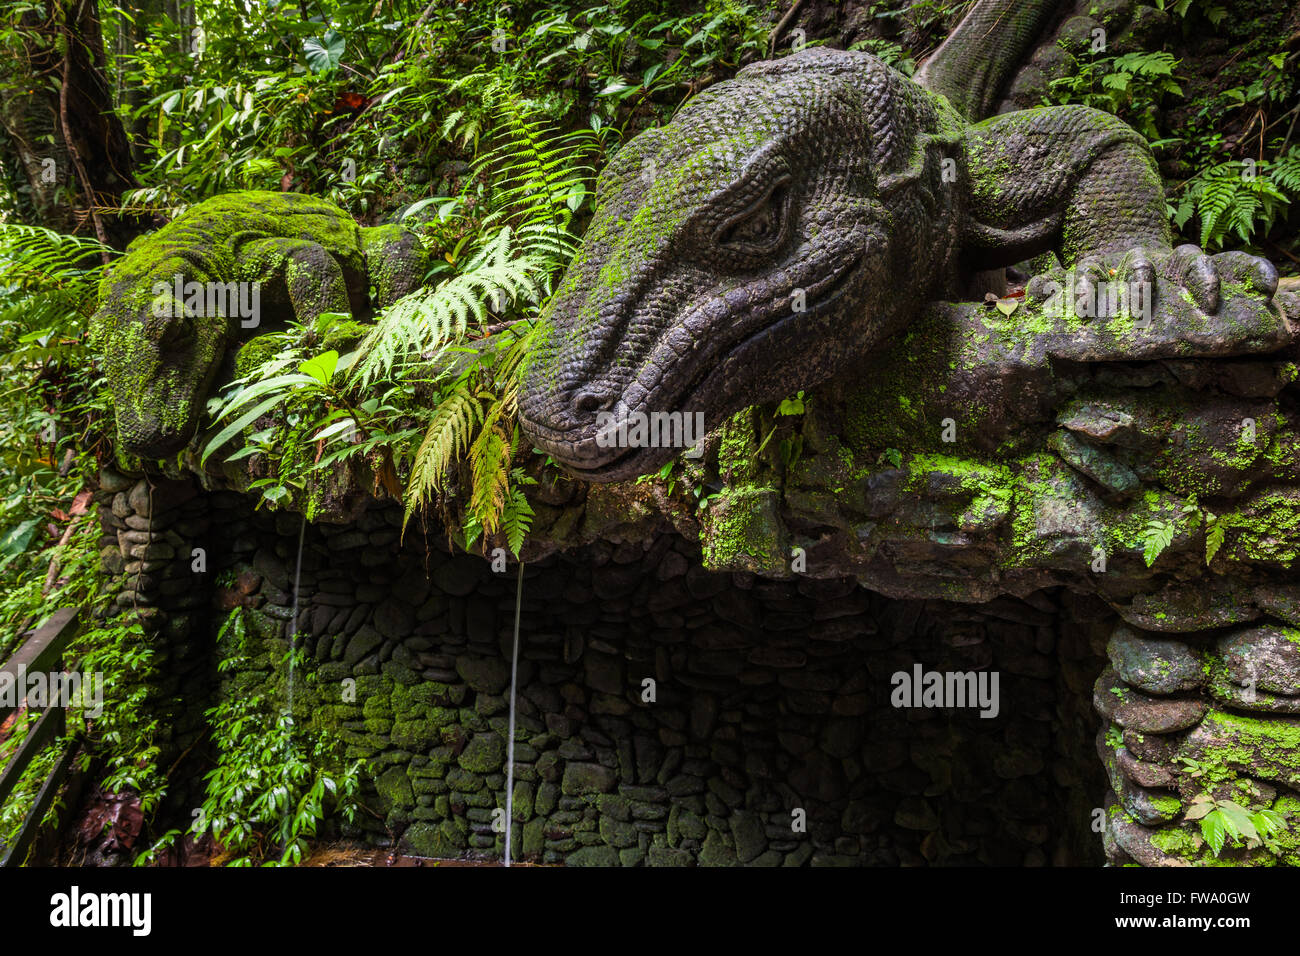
(786, 223)
(162, 355)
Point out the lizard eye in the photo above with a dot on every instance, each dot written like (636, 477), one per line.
(178, 331)
(762, 226)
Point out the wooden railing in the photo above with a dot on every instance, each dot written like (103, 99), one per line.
(41, 652)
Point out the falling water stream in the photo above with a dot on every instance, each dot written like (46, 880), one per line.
(510, 739)
(293, 621)
(293, 646)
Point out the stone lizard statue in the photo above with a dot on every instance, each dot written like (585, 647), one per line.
(788, 222)
(173, 306)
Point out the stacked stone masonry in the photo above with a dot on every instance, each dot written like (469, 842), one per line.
(770, 697)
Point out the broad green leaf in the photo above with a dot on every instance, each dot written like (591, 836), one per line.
(337, 428)
(1201, 806)
(238, 425)
(1214, 830)
(280, 383)
(16, 539)
(1238, 820)
(324, 53)
(1268, 822)
(321, 367)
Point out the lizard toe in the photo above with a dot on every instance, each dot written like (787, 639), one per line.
(1194, 271)
(1088, 273)
(1258, 275)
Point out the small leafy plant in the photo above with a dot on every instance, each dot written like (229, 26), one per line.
(274, 782)
(428, 397)
(1160, 532)
(1223, 820)
(1239, 198)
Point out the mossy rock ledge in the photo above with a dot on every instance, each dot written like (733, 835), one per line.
(1145, 474)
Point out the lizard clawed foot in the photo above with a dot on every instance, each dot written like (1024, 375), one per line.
(1200, 273)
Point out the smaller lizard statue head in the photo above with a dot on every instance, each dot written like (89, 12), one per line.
(776, 231)
(162, 349)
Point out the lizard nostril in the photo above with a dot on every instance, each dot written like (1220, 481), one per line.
(587, 402)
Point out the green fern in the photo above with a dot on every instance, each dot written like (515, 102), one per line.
(428, 397)
(1285, 171)
(1157, 536)
(422, 327)
(1216, 529)
(1233, 199)
(47, 278)
(517, 513)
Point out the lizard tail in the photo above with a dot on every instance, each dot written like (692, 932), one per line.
(971, 67)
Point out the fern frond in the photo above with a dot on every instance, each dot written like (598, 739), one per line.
(422, 326)
(446, 439)
(1216, 198)
(1285, 171)
(490, 469)
(44, 272)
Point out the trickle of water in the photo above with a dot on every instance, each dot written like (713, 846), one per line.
(510, 739)
(293, 646)
(293, 621)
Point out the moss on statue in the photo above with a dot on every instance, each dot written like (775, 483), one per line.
(1181, 843)
(982, 491)
(256, 352)
(900, 406)
(339, 332)
(161, 354)
(743, 530)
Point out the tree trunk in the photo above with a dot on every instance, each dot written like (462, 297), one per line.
(62, 138)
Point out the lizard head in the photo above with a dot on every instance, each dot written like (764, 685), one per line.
(776, 231)
(160, 352)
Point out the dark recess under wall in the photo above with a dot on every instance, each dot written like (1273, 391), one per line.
(770, 696)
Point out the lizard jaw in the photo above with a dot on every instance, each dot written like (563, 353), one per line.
(584, 458)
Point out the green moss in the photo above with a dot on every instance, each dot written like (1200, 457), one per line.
(1180, 843)
(743, 531)
(1166, 805)
(338, 332)
(254, 353)
(485, 753)
(1267, 528)
(982, 491)
(902, 404)
(394, 788)
(1267, 747)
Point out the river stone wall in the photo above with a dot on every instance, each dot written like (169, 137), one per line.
(769, 697)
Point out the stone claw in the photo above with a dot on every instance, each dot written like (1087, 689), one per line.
(1202, 274)
(1087, 274)
(1256, 274)
(1194, 271)
(1121, 274)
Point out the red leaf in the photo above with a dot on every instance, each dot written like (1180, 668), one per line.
(81, 503)
(350, 101)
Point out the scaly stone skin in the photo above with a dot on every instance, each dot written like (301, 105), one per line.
(309, 257)
(787, 223)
